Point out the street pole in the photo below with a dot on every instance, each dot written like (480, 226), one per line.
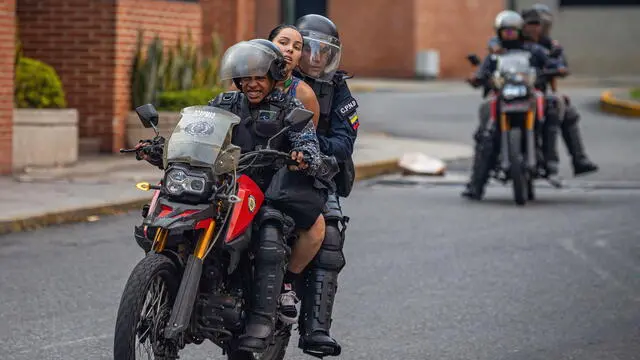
(288, 11)
(512, 4)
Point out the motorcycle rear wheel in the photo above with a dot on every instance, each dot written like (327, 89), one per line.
(144, 310)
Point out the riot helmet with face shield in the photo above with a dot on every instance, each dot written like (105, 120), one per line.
(322, 49)
(251, 59)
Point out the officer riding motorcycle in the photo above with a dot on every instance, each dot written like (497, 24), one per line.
(255, 67)
(337, 131)
(508, 26)
(538, 21)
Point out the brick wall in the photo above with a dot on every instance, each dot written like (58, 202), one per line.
(455, 28)
(90, 43)
(76, 38)
(384, 39)
(379, 41)
(170, 21)
(7, 51)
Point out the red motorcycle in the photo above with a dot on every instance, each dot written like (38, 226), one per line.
(193, 283)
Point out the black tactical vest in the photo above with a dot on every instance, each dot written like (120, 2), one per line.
(259, 123)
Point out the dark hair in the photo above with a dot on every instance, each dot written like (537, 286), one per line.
(279, 28)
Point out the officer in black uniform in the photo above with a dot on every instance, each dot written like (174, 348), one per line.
(337, 130)
(540, 15)
(510, 23)
(255, 67)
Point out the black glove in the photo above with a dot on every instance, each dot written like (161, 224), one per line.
(151, 151)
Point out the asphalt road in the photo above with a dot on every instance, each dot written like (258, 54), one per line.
(428, 276)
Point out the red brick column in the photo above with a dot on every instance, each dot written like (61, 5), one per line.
(7, 53)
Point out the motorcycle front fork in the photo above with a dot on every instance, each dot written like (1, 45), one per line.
(528, 136)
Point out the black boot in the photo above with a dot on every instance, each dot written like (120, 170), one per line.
(483, 161)
(573, 140)
(550, 151)
(267, 281)
(317, 306)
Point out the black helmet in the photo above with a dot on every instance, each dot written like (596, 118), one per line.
(257, 57)
(322, 48)
(546, 16)
(317, 23)
(531, 16)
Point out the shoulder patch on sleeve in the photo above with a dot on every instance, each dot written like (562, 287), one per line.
(347, 106)
(347, 111)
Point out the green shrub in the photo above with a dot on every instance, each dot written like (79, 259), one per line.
(37, 86)
(180, 67)
(177, 100)
(635, 93)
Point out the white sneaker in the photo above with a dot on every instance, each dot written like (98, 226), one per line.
(287, 307)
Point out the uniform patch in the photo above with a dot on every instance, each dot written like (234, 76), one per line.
(267, 115)
(353, 120)
(347, 111)
(350, 105)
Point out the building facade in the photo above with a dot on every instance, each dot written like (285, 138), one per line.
(90, 43)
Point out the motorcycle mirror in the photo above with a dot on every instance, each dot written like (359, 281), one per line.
(148, 115)
(473, 59)
(298, 118)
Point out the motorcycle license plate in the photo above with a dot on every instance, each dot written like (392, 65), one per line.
(516, 106)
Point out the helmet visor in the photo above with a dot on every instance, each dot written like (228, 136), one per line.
(320, 55)
(245, 59)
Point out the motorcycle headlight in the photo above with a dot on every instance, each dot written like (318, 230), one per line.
(511, 91)
(178, 181)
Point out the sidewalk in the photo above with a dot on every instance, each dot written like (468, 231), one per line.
(106, 184)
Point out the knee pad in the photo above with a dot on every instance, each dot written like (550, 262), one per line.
(270, 245)
(269, 214)
(571, 116)
(330, 256)
(332, 209)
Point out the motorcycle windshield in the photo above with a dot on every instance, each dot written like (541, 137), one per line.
(514, 62)
(203, 138)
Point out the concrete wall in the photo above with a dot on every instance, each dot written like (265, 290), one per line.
(599, 41)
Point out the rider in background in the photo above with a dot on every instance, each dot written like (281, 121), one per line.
(539, 20)
(508, 25)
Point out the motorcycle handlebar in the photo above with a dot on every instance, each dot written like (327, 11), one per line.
(285, 157)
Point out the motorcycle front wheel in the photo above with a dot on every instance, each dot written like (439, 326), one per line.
(144, 310)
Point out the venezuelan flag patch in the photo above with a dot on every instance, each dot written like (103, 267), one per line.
(353, 120)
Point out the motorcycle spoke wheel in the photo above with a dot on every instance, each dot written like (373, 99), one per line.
(144, 310)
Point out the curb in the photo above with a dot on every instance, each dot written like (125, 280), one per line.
(358, 88)
(364, 171)
(609, 103)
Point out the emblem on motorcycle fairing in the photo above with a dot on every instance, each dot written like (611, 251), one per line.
(199, 128)
(251, 203)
